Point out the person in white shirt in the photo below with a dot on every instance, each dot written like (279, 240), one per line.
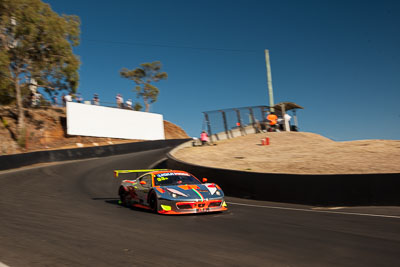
(120, 100)
(129, 104)
(287, 118)
(68, 98)
(38, 96)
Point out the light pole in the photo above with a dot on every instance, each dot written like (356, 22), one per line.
(269, 80)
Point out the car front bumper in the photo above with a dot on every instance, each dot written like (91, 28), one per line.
(191, 206)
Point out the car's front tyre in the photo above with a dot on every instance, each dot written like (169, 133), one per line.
(153, 202)
(123, 197)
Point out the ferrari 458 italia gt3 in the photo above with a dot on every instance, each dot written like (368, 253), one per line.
(170, 192)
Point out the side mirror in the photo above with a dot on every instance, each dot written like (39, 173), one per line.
(204, 180)
(142, 182)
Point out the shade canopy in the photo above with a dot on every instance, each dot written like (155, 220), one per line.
(287, 105)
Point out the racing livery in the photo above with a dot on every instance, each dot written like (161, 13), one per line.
(170, 192)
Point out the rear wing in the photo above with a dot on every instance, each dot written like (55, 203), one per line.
(117, 172)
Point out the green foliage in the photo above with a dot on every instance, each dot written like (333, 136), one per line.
(137, 107)
(143, 77)
(6, 94)
(36, 43)
(6, 88)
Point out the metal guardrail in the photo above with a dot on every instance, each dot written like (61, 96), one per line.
(233, 122)
(229, 123)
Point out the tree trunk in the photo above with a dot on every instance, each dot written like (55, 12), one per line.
(21, 115)
(146, 104)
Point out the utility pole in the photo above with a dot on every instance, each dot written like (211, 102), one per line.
(269, 81)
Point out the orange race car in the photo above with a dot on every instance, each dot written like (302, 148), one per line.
(170, 192)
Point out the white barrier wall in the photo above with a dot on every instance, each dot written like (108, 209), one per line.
(98, 121)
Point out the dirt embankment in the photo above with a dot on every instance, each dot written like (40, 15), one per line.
(297, 153)
(46, 129)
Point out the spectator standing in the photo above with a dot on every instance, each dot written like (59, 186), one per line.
(63, 100)
(273, 119)
(287, 118)
(203, 138)
(55, 101)
(38, 97)
(129, 104)
(33, 91)
(120, 100)
(68, 98)
(33, 99)
(96, 100)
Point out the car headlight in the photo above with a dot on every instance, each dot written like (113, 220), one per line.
(218, 193)
(173, 195)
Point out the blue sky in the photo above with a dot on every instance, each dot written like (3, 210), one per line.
(340, 60)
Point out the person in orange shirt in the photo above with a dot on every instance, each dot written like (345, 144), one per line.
(273, 120)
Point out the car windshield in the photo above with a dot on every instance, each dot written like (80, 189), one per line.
(162, 179)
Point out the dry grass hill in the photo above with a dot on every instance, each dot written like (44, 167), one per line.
(297, 153)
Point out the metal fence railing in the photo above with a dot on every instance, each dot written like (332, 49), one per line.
(233, 122)
(228, 123)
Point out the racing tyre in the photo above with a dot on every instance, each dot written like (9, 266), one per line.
(122, 196)
(153, 203)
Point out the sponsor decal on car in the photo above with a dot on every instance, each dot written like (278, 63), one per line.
(176, 192)
(171, 174)
(212, 188)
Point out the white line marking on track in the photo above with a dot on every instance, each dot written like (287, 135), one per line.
(317, 211)
(3, 265)
(332, 208)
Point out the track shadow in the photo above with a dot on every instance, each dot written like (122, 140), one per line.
(115, 202)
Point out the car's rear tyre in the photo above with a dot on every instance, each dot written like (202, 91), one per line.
(153, 203)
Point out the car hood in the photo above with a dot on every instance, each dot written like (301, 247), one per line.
(194, 191)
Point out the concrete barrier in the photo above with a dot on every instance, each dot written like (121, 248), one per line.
(249, 129)
(19, 160)
(325, 190)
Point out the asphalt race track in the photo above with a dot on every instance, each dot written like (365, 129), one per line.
(67, 214)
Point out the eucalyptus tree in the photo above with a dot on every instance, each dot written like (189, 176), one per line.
(143, 77)
(36, 49)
